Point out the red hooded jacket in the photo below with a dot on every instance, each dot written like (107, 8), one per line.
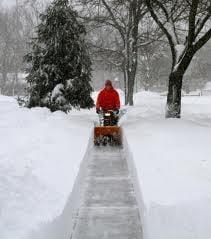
(108, 99)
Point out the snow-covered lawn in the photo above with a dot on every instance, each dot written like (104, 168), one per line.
(41, 152)
(40, 156)
(173, 163)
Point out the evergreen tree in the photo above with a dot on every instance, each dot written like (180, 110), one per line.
(59, 65)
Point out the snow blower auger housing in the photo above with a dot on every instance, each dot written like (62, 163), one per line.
(108, 132)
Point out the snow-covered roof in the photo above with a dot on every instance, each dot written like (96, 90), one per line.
(208, 86)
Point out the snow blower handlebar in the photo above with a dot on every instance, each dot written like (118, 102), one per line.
(108, 117)
(101, 111)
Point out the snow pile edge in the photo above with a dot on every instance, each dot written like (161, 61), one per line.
(127, 154)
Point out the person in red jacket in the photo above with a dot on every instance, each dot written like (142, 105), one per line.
(108, 99)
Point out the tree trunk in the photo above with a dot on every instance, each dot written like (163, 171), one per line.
(173, 107)
(131, 69)
(4, 80)
(146, 87)
(131, 51)
(14, 83)
(133, 56)
(125, 82)
(131, 84)
(130, 91)
(130, 95)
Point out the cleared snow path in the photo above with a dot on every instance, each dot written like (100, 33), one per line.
(108, 207)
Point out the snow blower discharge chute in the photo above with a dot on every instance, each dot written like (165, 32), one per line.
(108, 132)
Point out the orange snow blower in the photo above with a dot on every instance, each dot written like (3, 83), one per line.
(108, 132)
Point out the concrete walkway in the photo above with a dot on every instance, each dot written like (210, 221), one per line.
(108, 205)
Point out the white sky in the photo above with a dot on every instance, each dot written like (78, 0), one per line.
(12, 2)
(8, 2)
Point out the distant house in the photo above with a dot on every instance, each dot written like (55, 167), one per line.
(207, 89)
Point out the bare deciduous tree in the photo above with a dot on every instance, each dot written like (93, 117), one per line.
(186, 24)
(126, 18)
(16, 30)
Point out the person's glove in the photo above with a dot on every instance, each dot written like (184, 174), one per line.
(98, 111)
(117, 111)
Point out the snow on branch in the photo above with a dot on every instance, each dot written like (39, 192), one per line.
(202, 22)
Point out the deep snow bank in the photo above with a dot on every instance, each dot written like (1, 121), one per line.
(173, 164)
(40, 155)
(64, 225)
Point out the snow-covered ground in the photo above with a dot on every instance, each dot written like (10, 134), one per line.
(41, 152)
(173, 163)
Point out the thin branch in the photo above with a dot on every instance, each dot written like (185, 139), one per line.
(118, 26)
(163, 8)
(165, 31)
